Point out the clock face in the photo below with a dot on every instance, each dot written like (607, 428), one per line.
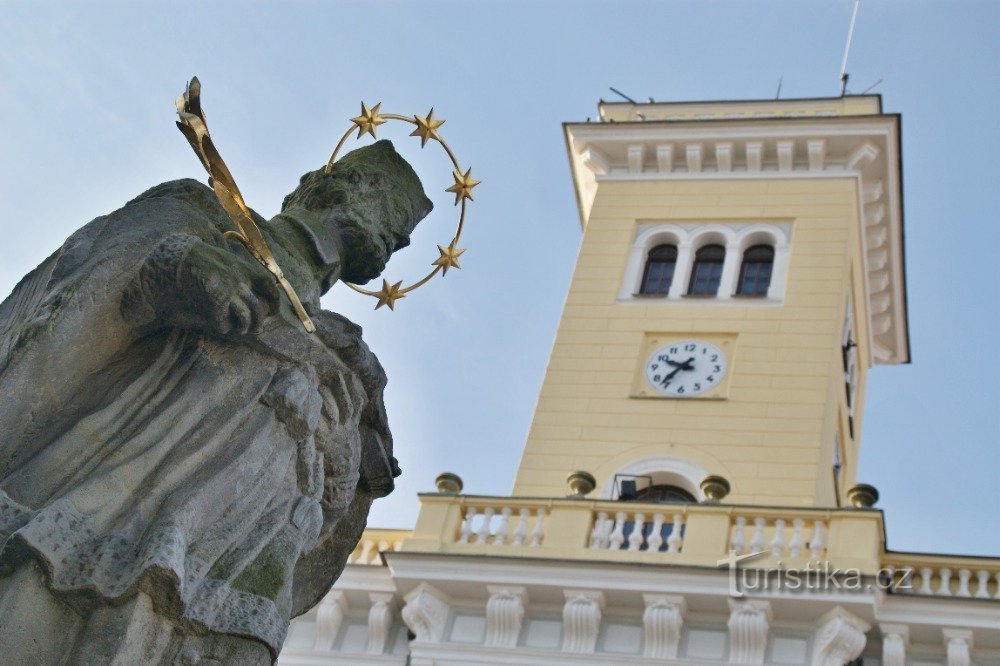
(685, 368)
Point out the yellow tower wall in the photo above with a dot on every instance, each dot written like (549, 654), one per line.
(773, 437)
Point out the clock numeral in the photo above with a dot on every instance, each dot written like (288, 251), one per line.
(710, 378)
(690, 347)
(655, 367)
(665, 383)
(656, 378)
(715, 357)
(673, 350)
(680, 390)
(717, 369)
(697, 386)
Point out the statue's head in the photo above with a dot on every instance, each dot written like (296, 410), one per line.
(372, 200)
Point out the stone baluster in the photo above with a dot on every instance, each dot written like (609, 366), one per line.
(778, 542)
(817, 542)
(597, 532)
(738, 540)
(757, 542)
(636, 538)
(798, 540)
(367, 546)
(618, 535)
(501, 534)
(675, 541)
(537, 534)
(483, 535)
(466, 530)
(662, 622)
(944, 584)
(983, 589)
(963, 583)
(379, 622)
(925, 580)
(383, 546)
(655, 539)
(521, 531)
(582, 620)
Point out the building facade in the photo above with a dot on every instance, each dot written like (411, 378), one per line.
(687, 493)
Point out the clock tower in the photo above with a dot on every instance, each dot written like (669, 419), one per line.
(741, 268)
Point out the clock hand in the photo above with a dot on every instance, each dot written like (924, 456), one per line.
(686, 365)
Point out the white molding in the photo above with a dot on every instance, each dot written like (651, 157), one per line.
(664, 470)
(329, 616)
(582, 620)
(505, 615)
(749, 625)
(426, 612)
(662, 621)
(636, 154)
(724, 156)
(840, 638)
(895, 640)
(665, 158)
(379, 621)
(958, 646)
(736, 237)
(816, 148)
(692, 154)
(786, 155)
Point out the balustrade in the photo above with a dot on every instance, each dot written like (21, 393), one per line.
(943, 579)
(634, 532)
(503, 526)
(779, 538)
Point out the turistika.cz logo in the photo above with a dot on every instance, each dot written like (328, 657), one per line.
(818, 576)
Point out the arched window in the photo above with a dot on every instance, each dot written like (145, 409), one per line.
(707, 271)
(755, 273)
(659, 271)
(664, 494)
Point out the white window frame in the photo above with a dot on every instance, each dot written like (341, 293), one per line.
(689, 237)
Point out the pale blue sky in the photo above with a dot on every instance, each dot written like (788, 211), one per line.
(86, 123)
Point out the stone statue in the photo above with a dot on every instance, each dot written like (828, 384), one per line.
(182, 466)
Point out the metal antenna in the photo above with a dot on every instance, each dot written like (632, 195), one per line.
(866, 90)
(621, 94)
(847, 49)
(777, 95)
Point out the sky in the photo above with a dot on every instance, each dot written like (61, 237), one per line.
(87, 123)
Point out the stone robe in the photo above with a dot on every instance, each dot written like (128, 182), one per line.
(165, 480)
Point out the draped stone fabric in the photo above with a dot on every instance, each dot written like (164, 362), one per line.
(173, 444)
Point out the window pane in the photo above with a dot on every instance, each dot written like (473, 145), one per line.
(755, 273)
(659, 271)
(707, 271)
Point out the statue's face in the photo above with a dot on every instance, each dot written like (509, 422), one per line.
(368, 243)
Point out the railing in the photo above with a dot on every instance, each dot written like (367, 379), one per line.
(683, 533)
(780, 537)
(498, 525)
(943, 575)
(631, 531)
(374, 542)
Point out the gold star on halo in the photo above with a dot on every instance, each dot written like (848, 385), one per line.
(368, 120)
(463, 185)
(427, 128)
(448, 259)
(389, 294)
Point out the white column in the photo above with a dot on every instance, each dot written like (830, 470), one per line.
(958, 644)
(662, 622)
(504, 615)
(895, 638)
(426, 612)
(749, 623)
(329, 617)
(582, 620)
(379, 622)
(730, 271)
(682, 271)
(840, 638)
(779, 269)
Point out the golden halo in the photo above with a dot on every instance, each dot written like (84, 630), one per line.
(427, 129)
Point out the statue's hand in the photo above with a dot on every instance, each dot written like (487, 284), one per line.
(189, 283)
